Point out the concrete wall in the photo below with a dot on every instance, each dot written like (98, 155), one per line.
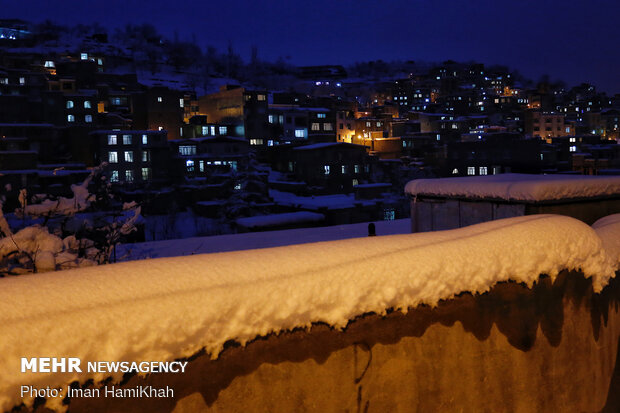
(551, 348)
(436, 214)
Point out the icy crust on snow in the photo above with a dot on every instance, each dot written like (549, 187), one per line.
(167, 308)
(517, 187)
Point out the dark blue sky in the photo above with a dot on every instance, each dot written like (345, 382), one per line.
(574, 40)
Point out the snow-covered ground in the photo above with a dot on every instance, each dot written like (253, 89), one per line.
(163, 309)
(253, 240)
(337, 201)
(182, 224)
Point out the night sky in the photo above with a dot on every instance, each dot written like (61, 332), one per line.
(565, 39)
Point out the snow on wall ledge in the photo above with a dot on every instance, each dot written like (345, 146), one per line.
(169, 308)
(518, 187)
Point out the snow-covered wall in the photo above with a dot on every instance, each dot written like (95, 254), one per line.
(168, 308)
(447, 203)
(517, 187)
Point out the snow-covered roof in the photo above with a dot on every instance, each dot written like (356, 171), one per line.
(375, 185)
(326, 145)
(33, 125)
(125, 131)
(168, 308)
(518, 187)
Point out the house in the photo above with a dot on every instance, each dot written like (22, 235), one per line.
(209, 156)
(290, 123)
(134, 157)
(545, 125)
(239, 106)
(335, 166)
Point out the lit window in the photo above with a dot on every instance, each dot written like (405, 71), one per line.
(189, 164)
(212, 130)
(271, 118)
(321, 115)
(146, 174)
(181, 102)
(378, 124)
(87, 104)
(160, 99)
(237, 187)
(205, 130)
(145, 139)
(389, 214)
(187, 150)
(100, 62)
(161, 128)
(22, 80)
(315, 126)
(260, 97)
(201, 165)
(572, 139)
(256, 141)
(88, 118)
(4, 81)
(223, 130)
(49, 63)
(128, 156)
(573, 149)
(300, 133)
(114, 176)
(69, 104)
(483, 170)
(112, 157)
(356, 168)
(129, 175)
(455, 171)
(111, 139)
(471, 170)
(146, 156)
(327, 126)
(84, 56)
(270, 142)
(438, 137)
(354, 182)
(326, 169)
(344, 169)
(70, 118)
(126, 139)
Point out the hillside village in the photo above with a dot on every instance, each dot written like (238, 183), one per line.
(202, 140)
